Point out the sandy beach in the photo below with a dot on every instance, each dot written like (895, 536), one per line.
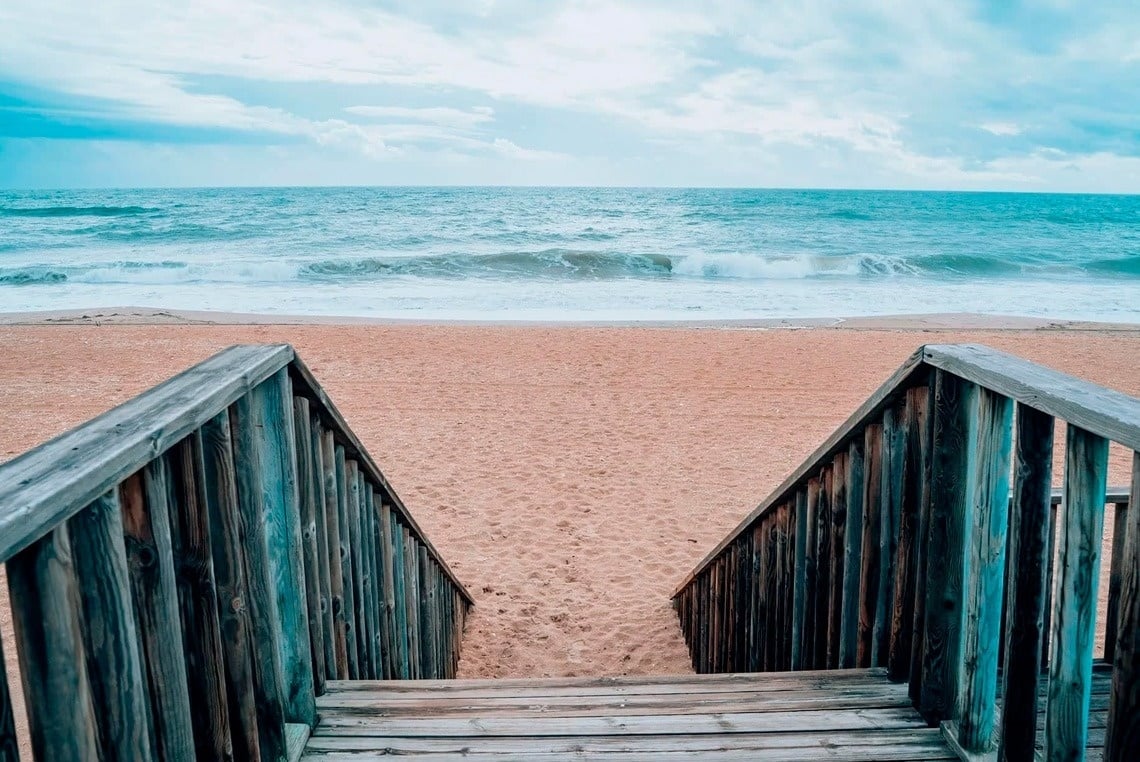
(571, 475)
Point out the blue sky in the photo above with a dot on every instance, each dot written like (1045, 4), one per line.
(922, 94)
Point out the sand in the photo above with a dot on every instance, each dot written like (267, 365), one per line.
(570, 475)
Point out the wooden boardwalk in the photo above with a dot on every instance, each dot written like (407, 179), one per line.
(837, 715)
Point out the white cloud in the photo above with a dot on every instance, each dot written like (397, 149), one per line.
(1002, 129)
(441, 115)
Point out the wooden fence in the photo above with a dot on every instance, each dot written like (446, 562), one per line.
(188, 570)
(897, 544)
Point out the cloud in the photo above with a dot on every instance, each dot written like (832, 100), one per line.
(441, 115)
(1002, 129)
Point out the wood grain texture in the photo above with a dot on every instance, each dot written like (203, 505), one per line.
(1078, 573)
(369, 531)
(838, 540)
(197, 596)
(1123, 734)
(799, 582)
(387, 554)
(325, 562)
(412, 602)
(354, 610)
(955, 418)
(822, 617)
(345, 511)
(44, 596)
(47, 485)
(984, 572)
(908, 483)
(852, 555)
(400, 597)
(427, 616)
(329, 467)
(891, 485)
(1116, 561)
(310, 506)
(1026, 596)
(920, 439)
(111, 638)
(9, 742)
(869, 554)
(810, 561)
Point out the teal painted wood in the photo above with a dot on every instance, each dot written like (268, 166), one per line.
(400, 606)
(1026, 597)
(808, 647)
(326, 561)
(892, 464)
(955, 415)
(150, 563)
(1078, 573)
(250, 454)
(869, 554)
(111, 639)
(330, 468)
(391, 639)
(920, 436)
(348, 577)
(310, 507)
(44, 596)
(852, 556)
(272, 407)
(984, 571)
(220, 496)
(198, 600)
(1123, 735)
(9, 743)
(799, 582)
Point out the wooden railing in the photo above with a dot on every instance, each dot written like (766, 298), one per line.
(187, 570)
(897, 544)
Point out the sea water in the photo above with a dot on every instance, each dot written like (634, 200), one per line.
(573, 253)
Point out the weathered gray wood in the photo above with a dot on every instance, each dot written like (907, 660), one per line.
(984, 570)
(869, 554)
(1105, 412)
(810, 561)
(310, 508)
(400, 597)
(412, 603)
(9, 742)
(838, 538)
(296, 736)
(852, 555)
(348, 581)
(1116, 561)
(272, 408)
(955, 419)
(427, 616)
(370, 528)
(822, 618)
(891, 486)
(1050, 562)
(908, 475)
(353, 499)
(220, 496)
(1123, 734)
(325, 561)
(387, 554)
(799, 582)
(306, 384)
(1026, 595)
(111, 639)
(907, 375)
(330, 468)
(197, 595)
(1078, 566)
(45, 486)
(920, 439)
(44, 596)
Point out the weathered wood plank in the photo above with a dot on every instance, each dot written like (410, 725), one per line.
(1026, 597)
(427, 616)
(44, 596)
(869, 554)
(344, 505)
(412, 602)
(150, 563)
(325, 562)
(892, 465)
(329, 466)
(852, 555)
(111, 638)
(1123, 734)
(822, 618)
(369, 532)
(838, 540)
(220, 496)
(799, 582)
(197, 596)
(353, 504)
(909, 485)
(1078, 565)
(955, 418)
(272, 417)
(984, 571)
(1050, 562)
(387, 555)
(311, 506)
(1116, 560)
(9, 742)
(810, 562)
(45, 486)
(920, 440)
(400, 597)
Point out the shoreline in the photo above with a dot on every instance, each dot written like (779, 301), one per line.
(948, 321)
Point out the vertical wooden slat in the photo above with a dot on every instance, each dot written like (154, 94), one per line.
(329, 468)
(412, 602)
(354, 499)
(44, 596)
(742, 564)
(784, 594)
(799, 582)
(810, 561)
(1078, 567)
(822, 617)
(388, 572)
(1116, 560)
(315, 603)
(920, 436)
(838, 550)
(955, 413)
(111, 638)
(150, 563)
(400, 598)
(9, 742)
(1050, 557)
(369, 529)
(1026, 595)
(890, 511)
(771, 638)
(427, 618)
(905, 565)
(1123, 735)
(852, 556)
(731, 591)
(324, 561)
(753, 550)
(271, 402)
(348, 582)
(869, 554)
(197, 597)
(984, 571)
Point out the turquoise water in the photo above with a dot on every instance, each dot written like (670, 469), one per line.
(573, 253)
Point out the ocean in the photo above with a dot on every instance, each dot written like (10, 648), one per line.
(576, 254)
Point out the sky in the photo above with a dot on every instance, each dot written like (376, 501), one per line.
(1041, 96)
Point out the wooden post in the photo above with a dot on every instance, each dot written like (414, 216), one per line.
(329, 466)
(892, 466)
(44, 596)
(742, 567)
(111, 638)
(838, 549)
(402, 625)
(728, 638)
(852, 556)
(325, 562)
(1123, 735)
(1026, 597)
(784, 596)
(412, 602)
(1050, 557)
(869, 556)
(150, 563)
(427, 616)
(198, 600)
(1074, 626)
(955, 416)
(348, 582)
(984, 571)
(369, 533)
(392, 642)
(799, 583)
(771, 638)
(353, 504)
(753, 551)
(274, 437)
(9, 743)
(220, 494)
(810, 562)
(1116, 560)
(910, 478)
(310, 507)
(822, 617)
(920, 434)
